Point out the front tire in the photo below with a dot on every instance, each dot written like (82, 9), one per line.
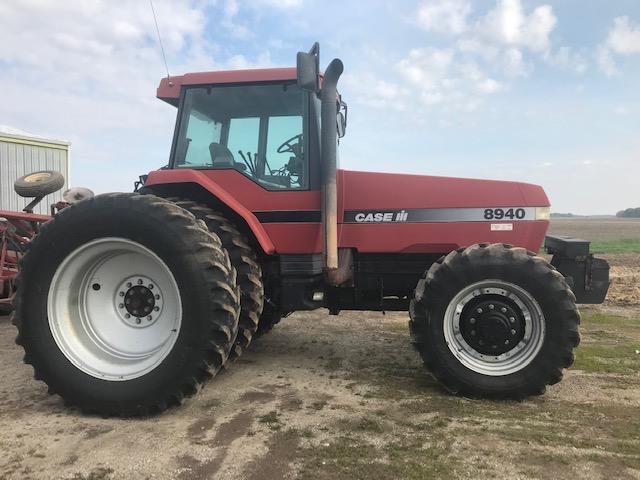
(125, 304)
(494, 321)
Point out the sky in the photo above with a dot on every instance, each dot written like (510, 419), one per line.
(541, 92)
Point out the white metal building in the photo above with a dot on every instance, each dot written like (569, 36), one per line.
(22, 153)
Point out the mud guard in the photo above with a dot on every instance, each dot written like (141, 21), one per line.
(587, 276)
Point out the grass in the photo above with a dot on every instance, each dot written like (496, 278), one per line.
(611, 320)
(626, 245)
(271, 419)
(350, 457)
(609, 345)
(621, 359)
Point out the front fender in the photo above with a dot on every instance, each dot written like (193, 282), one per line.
(166, 177)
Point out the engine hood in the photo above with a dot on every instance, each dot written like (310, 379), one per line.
(386, 191)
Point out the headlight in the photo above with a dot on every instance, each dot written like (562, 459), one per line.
(543, 213)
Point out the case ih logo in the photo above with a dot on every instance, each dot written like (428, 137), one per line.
(437, 215)
(364, 217)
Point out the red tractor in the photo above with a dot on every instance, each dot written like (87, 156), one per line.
(127, 302)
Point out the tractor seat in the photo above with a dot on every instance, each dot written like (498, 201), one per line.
(220, 155)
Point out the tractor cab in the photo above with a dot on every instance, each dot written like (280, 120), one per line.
(264, 123)
(258, 129)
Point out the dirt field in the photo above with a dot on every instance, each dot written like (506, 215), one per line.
(594, 228)
(346, 397)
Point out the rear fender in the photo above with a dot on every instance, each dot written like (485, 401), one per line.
(197, 186)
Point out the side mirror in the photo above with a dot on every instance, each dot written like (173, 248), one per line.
(308, 69)
(342, 119)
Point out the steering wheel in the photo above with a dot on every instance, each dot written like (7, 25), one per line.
(290, 145)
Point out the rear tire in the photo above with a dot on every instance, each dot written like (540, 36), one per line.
(244, 260)
(494, 321)
(97, 354)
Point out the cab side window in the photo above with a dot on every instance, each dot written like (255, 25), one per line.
(285, 150)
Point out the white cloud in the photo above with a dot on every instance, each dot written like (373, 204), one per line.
(605, 61)
(513, 63)
(436, 77)
(621, 110)
(567, 59)
(624, 37)
(496, 46)
(426, 67)
(444, 16)
(88, 72)
(508, 24)
(506, 38)
(281, 4)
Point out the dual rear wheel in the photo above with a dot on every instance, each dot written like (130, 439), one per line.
(135, 307)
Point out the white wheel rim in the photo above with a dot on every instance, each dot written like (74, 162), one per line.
(514, 360)
(93, 327)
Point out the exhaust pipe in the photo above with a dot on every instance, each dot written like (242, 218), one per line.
(328, 151)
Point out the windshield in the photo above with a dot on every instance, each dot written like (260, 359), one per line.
(256, 129)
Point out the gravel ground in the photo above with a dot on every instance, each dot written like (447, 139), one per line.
(325, 397)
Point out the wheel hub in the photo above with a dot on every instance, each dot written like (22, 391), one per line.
(138, 301)
(492, 325)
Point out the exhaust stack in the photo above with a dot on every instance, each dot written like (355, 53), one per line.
(308, 73)
(328, 151)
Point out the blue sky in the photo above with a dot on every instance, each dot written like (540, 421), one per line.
(544, 92)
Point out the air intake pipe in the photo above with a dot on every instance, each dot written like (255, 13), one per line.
(329, 154)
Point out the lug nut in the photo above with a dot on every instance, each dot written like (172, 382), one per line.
(149, 318)
(121, 305)
(512, 320)
(126, 315)
(506, 342)
(503, 310)
(491, 307)
(140, 282)
(121, 294)
(138, 321)
(513, 332)
(157, 297)
(150, 286)
(156, 309)
(479, 310)
(472, 321)
(128, 284)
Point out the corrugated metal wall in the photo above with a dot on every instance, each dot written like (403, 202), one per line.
(18, 159)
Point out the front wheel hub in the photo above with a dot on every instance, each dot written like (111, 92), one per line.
(494, 327)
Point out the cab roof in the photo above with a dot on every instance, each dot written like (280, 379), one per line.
(169, 88)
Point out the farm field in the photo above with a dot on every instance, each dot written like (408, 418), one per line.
(324, 397)
(608, 234)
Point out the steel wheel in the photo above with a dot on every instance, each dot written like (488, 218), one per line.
(114, 309)
(494, 327)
